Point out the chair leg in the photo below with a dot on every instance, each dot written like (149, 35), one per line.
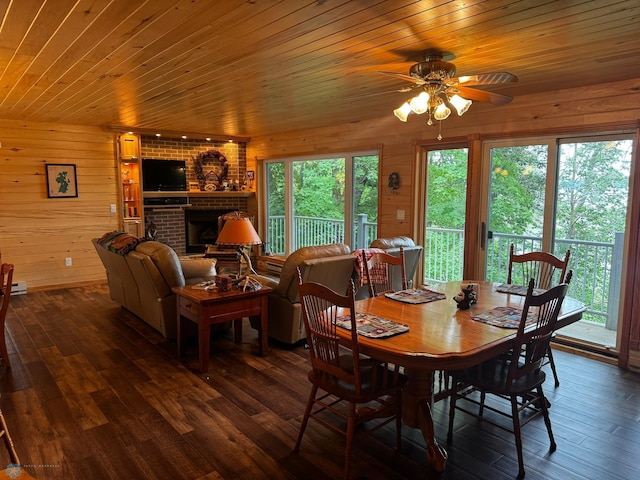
(398, 408)
(516, 432)
(351, 430)
(3, 349)
(452, 410)
(547, 420)
(305, 418)
(552, 363)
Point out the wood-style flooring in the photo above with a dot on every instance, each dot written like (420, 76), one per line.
(94, 393)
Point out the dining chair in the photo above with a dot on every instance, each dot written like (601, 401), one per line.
(342, 380)
(379, 271)
(542, 267)
(6, 279)
(14, 469)
(513, 377)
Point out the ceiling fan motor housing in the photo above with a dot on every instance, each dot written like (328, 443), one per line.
(433, 70)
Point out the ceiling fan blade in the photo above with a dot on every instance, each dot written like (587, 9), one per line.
(486, 79)
(483, 96)
(375, 94)
(408, 78)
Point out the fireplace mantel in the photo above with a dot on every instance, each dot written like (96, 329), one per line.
(221, 194)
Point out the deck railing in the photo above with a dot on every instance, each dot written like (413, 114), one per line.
(596, 266)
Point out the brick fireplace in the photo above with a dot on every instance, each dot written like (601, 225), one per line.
(187, 229)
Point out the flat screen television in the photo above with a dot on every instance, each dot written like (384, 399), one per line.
(164, 175)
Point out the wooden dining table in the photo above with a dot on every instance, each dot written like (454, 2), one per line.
(441, 337)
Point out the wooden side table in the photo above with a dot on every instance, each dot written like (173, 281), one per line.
(206, 308)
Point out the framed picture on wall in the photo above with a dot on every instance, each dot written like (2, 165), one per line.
(61, 180)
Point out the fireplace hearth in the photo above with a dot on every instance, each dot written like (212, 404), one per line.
(201, 228)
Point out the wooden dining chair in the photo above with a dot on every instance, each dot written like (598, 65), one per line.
(514, 377)
(342, 380)
(379, 270)
(543, 267)
(6, 279)
(14, 469)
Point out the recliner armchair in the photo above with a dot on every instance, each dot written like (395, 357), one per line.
(330, 265)
(412, 255)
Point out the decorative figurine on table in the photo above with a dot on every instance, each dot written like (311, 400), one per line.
(467, 297)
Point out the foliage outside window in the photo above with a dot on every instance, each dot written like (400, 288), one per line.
(317, 201)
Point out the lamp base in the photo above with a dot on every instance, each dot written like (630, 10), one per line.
(244, 279)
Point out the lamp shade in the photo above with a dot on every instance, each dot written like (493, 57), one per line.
(238, 231)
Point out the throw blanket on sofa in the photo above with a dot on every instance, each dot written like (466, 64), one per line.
(119, 242)
(360, 277)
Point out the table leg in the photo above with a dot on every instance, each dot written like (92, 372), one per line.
(436, 455)
(263, 335)
(204, 345)
(237, 330)
(180, 336)
(416, 413)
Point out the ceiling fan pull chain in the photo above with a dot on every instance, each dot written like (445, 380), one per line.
(439, 137)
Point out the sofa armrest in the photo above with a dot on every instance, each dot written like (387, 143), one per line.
(198, 269)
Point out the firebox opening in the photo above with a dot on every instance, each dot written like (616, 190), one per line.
(201, 228)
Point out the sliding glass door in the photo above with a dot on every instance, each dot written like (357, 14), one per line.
(558, 194)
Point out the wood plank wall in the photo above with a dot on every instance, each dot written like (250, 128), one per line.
(610, 107)
(37, 233)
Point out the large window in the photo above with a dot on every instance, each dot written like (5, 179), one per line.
(317, 201)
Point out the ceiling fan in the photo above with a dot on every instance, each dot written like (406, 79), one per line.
(438, 85)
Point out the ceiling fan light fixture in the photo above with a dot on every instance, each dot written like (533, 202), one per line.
(461, 104)
(420, 103)
(403, 111)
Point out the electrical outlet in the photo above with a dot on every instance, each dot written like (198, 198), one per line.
(67, 261)
(113, 208)
(400, 215)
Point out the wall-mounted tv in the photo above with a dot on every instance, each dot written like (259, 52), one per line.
(164, 175)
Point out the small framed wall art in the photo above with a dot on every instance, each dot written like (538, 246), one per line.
(61, 180)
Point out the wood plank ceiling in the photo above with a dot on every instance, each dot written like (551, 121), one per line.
(258, 67)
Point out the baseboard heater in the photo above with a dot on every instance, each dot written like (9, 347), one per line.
(18, 288)
(273, 267)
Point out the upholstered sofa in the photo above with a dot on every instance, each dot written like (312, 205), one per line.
(331, 265)
(141, 274)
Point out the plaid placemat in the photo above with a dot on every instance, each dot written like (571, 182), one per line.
(416, 295)
(517, 289)
(505, 317)
(372, 326)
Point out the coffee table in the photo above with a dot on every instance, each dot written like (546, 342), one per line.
(208, 307)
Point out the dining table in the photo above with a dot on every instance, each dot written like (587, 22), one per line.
(442, 337)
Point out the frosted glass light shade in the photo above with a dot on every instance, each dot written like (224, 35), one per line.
(420, 103)
(461, 104)
(403, 111)
(441, 112)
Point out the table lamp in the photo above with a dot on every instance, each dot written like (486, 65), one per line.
(239, 231)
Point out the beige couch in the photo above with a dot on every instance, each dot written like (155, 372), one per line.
(331, 265)
(141, 275)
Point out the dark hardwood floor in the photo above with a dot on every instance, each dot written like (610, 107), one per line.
(92, 392)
